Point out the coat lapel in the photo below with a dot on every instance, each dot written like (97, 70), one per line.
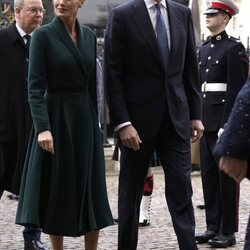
(145, 27)
(66, 39)
(174, 18)
(14, 36)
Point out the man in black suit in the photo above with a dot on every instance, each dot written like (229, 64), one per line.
(153, 91)
(15, 117)
(223, 71)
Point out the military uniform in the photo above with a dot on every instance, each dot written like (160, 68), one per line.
(223, 71)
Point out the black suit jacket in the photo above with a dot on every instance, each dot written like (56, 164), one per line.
(139, 86)
(15, 118)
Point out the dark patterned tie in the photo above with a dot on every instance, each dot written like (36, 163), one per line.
(161, 34)
(27, 37)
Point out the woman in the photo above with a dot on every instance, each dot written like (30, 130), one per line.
(63, 188)
(233, 145)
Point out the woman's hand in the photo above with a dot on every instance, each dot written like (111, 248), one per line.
(45, 141)
(235, 168)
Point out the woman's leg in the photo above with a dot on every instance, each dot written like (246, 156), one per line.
(91, 240)
(56, 242)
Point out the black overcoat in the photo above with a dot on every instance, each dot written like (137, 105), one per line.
(15, 118)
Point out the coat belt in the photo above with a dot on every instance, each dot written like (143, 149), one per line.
(213, 87)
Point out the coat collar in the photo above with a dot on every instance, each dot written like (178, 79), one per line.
(66, 39)
(14, 35)
(219, 37)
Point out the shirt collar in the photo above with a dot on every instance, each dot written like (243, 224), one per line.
(21, 31)
(151, 3)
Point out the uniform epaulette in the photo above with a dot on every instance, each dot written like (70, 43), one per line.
(234, 39)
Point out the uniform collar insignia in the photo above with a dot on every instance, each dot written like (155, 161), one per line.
(219, 37)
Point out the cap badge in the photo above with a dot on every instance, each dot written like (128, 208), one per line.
(210, 5)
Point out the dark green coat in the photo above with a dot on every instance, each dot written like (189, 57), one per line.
(64, 193)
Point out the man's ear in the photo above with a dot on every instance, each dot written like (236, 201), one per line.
(226, 18)
(81, 2)
(17, 11)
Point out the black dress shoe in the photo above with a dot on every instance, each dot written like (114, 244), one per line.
(144, 223)
(34, 245)
(222, 241)
(205, 237)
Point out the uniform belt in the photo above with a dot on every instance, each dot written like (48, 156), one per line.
(213, 87)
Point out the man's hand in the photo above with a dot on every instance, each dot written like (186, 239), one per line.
(45, 140)
(235, 168)
(197, 130)
(129, 137)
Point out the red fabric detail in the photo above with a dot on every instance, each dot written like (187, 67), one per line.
(148, 186)
(222, 7)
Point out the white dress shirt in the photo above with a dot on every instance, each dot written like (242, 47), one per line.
(22, 33)
(150, 5)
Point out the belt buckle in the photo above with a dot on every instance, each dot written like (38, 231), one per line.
(204, 87)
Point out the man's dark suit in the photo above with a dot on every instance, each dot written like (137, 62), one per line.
(159, 101)
(15, 118)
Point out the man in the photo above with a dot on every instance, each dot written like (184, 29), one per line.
(223, 71)
(154, 100)
(15, 121)
(233, 145)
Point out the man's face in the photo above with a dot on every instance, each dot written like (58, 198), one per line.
(216, 21)
(30, 15)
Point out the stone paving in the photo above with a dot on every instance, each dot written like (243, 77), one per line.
(159, 235)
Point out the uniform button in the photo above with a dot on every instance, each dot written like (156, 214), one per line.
(207, 70)
(223, 100)
(199, 62)
(217, 61)
(209, 58)
(212, 45)
(204, 95)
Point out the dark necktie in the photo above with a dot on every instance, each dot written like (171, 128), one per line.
(27, 37)
(161, 34)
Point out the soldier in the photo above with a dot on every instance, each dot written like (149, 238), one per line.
(223, 71)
